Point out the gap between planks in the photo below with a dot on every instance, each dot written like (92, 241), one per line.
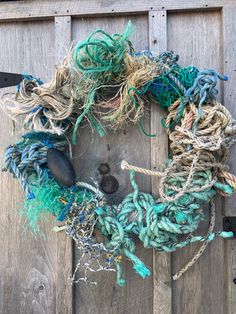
(229, 68)
(64, 290)
(47, 8)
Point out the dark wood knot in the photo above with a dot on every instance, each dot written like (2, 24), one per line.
(104, 168)
(109, 184)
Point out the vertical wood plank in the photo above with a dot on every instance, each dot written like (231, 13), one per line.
(28, 265)
(159, 153)
(62, 37)
(197, 38)
(64, 300)
(34, 272)
(91, 150)
(229, 63)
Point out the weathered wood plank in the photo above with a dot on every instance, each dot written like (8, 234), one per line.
(26, 266)
(159, 153)
(33, 271)
(64, 293)
(197, 38)
(46, 8)
(90, 152)
(62, 37)
(33, 274)
(229, 64)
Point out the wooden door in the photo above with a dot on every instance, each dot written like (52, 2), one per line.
(34, 272)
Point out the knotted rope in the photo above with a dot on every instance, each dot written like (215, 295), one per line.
(47, 107)
(107, 84)
(157, 225)
(198, 168)
(27, 159)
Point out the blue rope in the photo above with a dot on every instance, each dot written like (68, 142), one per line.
(28, 158)
(204, 89)
(30, 78)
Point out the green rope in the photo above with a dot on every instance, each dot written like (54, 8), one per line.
(165, 226)
(101, 60)
(158, 225)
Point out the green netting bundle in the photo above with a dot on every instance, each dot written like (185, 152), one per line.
(166, 89)
(50, 198)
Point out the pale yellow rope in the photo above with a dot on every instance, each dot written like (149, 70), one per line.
(126, 166)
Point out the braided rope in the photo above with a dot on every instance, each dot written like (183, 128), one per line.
(105, 82)
(24, 160)
(202, 247)
(194, 158)
(126, 166)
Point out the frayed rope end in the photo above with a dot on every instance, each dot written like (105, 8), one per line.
(142, 270)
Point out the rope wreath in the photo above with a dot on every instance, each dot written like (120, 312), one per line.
(109, 85)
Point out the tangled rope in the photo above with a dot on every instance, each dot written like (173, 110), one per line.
(107, 84)
(27, 161)
(197, 170)
(46, 107)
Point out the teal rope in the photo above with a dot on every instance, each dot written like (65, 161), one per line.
(27, 159)
(157, 225)
(101, 60)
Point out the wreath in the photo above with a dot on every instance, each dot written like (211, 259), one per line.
(105, 83)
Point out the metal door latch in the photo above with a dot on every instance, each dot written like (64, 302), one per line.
(10, 79)
(229, 224)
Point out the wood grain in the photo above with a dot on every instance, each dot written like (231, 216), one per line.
(27, 266)
(159, 153)
(90, 151)
(197, 38)
(229, 64)
(62, 37)
(47, 8)
(64, 293)
(33, 271)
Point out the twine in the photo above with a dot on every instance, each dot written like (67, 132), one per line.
(105, 83)
(46, 107)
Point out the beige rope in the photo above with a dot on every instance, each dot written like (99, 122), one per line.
(126, 166)
(53, 101)
(201, 249)
(204, 150)
(58, 228)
